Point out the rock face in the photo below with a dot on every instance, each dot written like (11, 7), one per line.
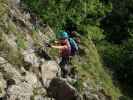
(61, 90)
(49, 71)
(9, 71)
(21, 91)
(31, 58)
(15, 2)
(35, 76)
(31, 78)
(2, 85)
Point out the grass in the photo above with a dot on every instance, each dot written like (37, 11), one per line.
(21, 42)
(13, 57)
(91, 69)
(3, 7)
(10, 54)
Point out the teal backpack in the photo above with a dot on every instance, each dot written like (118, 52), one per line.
(74, 46)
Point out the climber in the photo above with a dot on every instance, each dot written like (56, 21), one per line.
(75, 36)
(74, 40)
(64, 46)
(65, 49)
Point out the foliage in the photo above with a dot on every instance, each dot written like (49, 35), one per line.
(10, 54)
(70, 14)
(117, 54)
(119, 58)
(91, 69)
(109, 23)
(21, 42)
(118, 24)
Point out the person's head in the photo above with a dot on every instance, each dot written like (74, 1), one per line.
(63, 35)
(73, 33)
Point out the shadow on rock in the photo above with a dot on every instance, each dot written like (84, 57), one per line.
(61, 90)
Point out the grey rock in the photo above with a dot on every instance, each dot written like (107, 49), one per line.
(11, 41)
(2, 85)
(39, 97)
(14, 2)
(49, 70)
(31, 78)
(21, 91)
(90, 96)
(10, 71)
(30, 57)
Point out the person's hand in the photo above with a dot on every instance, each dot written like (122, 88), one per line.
(48, 45)
(56, 42)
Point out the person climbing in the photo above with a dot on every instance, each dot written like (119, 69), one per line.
(74, 40)
(65, 50)
(74, 35)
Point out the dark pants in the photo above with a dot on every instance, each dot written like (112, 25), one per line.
(64, 66)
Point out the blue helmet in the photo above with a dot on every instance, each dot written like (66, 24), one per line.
(63, 35)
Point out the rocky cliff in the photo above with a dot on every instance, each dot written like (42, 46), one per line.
(30, 71)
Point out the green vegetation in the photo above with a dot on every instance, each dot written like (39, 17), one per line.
(11, 55)
(108, 23)
(79, 15)
(92, 69)
(3, 7)
(116, 49)
(21, 42)
(119, 59)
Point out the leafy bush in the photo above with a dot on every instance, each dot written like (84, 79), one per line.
(70, 14)
(119, 59)
(118, 24)
(108, 20)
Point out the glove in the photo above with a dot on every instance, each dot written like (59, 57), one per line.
(48, 45)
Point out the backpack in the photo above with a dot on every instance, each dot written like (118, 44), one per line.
(75, 36)
(74, 46)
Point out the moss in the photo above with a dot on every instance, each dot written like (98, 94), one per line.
(3, 7)
(21, 42)
(10, 54)
(12, 27)
(78, 84)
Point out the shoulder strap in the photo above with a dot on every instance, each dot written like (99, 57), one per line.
(73, 43)
(69, 46)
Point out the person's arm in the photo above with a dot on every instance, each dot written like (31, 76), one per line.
(58, 47)
(78, 39)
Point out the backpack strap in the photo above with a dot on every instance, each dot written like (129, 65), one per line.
(74, 46)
